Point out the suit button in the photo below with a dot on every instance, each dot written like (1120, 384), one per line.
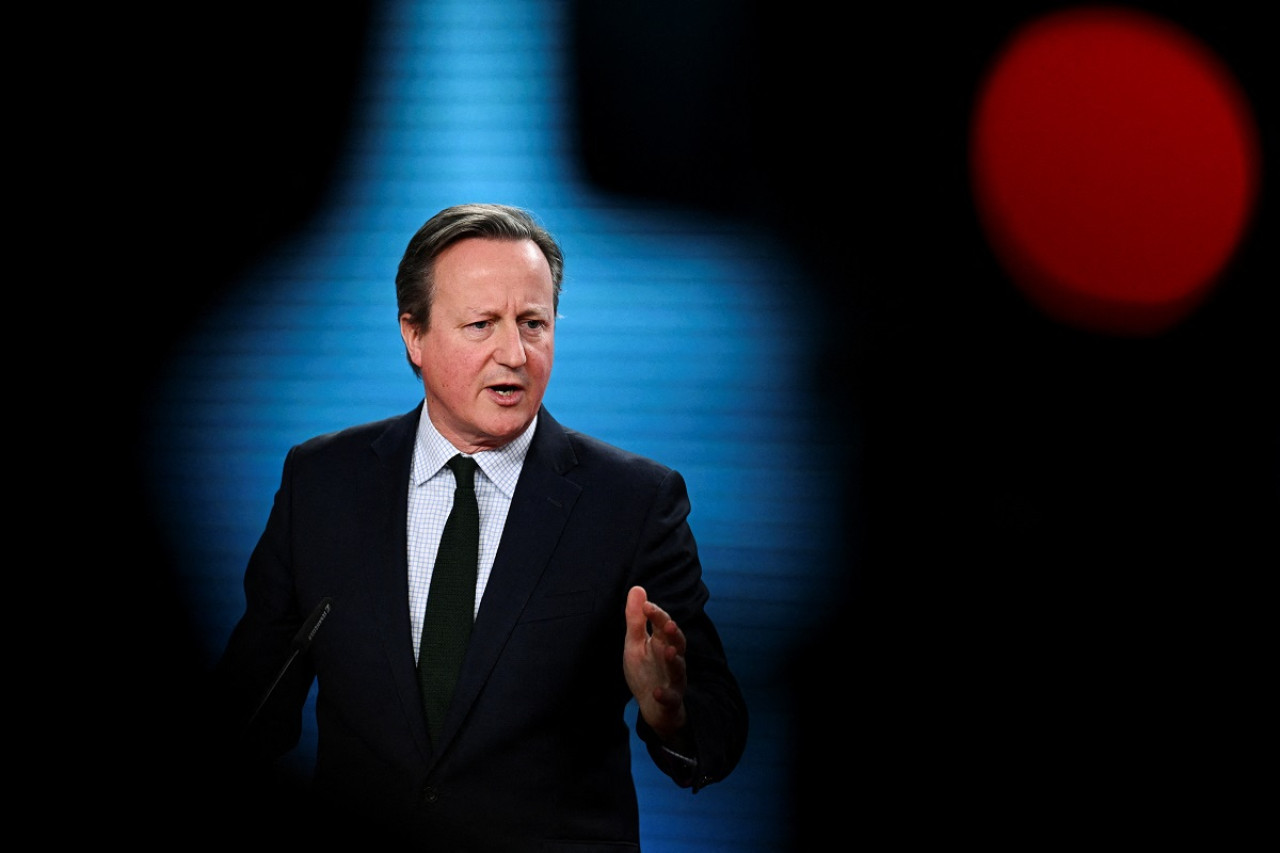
(430, 795)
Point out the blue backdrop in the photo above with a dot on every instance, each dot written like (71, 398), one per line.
(683, 336)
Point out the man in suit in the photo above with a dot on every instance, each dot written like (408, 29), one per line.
(588, 589)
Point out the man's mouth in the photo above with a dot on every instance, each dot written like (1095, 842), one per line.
(504, 390)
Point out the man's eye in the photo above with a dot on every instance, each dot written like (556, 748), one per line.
(535, 325)
(480, 325)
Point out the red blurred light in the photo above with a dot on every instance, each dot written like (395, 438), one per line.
(1115, 166)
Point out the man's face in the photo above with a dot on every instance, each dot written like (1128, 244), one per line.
(486, 355)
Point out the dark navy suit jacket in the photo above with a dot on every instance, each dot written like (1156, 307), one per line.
(535, 750)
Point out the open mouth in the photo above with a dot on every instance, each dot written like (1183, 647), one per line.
(504, 390)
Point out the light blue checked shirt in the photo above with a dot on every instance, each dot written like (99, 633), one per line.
(431, 487)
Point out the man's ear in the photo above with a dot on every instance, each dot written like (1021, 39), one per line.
(412, 339)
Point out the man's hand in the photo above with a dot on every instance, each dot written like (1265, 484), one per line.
(653, 662)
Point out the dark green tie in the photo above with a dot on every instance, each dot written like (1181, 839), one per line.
(451, 599)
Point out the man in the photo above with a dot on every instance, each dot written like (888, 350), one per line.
(587, 586)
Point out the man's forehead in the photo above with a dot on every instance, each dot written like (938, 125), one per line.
(503, 306)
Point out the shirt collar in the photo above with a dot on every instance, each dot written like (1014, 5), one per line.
(501, 465)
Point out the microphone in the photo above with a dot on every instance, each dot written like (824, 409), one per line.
(301, 642)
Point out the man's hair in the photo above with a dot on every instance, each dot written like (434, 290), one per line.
(415, 278)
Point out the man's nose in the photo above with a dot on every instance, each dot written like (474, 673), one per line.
(509, 346)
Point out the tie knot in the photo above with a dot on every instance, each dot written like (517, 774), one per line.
(464, 471)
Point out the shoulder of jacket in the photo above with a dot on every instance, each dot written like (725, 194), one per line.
(356, 436)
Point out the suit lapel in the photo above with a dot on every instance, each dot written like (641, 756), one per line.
(539, 509)
(388, 584)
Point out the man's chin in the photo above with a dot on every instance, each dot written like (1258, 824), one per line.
(506, 425)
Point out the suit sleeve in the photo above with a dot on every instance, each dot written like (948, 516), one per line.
(669, 569)
(260, 645)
